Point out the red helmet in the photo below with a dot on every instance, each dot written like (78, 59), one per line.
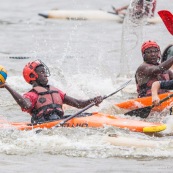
(149, 44)
(30, 69)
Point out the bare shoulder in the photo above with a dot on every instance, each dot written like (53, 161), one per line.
(142, 67)
(146, 67)
(144, 71)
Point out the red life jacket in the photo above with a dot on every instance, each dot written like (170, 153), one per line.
(48, 102)
(145, 89)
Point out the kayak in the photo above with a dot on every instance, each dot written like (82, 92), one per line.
(90, 15)
(81, 15)
(96, 120)
(143, 102)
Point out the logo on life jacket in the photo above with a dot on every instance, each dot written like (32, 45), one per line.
(42, 100)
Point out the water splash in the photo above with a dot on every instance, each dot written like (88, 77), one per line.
(132, 34)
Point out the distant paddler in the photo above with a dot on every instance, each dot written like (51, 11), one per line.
(167, 54)
(139, 9)
(158, 85)
(145, 7)
(151, 69)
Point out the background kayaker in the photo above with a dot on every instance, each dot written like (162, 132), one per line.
(156, 86)
(151, 70)
(168, 53)
(44, 102)
(138, 7)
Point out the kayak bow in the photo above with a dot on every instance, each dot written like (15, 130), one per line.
(144, 102)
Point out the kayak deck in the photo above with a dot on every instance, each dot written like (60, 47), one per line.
(96, 120)
(145, 101)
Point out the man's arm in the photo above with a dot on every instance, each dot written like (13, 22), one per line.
(22, 102)
(154, 70)
(160, 85)
(154, 90)
(148, 70)
(81, 103)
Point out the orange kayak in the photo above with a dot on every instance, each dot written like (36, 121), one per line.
(93, 120)
(143, 102)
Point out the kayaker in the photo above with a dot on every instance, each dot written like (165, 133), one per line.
(44, 102)
(156, 86)
(151, 70)
(139, 4)
(167, 53)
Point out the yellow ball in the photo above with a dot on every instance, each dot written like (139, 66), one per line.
(3, 74)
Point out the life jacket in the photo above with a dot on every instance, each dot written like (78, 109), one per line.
(145, 89)
(48, 102)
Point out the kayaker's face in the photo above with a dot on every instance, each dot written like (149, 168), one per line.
(42, 76)
(152, 55)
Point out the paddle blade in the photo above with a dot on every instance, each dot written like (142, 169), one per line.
(167, 18)
(141, 112)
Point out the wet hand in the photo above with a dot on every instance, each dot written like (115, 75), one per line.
(97, 100)
(2, 85)
(155, 100)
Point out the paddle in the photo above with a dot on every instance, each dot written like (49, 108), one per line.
(90, 105)
(108, 12)
(87, 107)
(167, 18)
(144, 112)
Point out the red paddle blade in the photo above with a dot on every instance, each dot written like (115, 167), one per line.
(167, 18)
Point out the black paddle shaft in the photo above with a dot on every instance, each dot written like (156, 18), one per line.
(144, 112)
(87, 107)
(90, 105)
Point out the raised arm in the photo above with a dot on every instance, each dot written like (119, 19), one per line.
(22, 102)
(154, 70)
(160, 85)
(154, 89)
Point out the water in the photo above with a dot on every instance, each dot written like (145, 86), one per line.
(84, 60)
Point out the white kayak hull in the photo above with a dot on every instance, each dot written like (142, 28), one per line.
(81, 15)
(90, 15)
